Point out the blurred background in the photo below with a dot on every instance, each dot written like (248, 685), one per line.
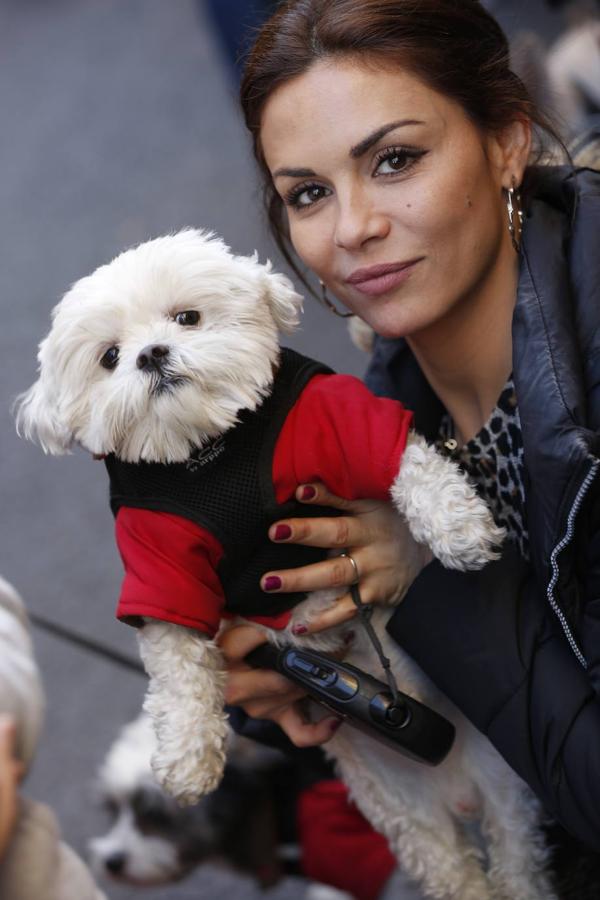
(119, 123)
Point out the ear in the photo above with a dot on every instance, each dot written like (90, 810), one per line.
(285, 303)
(38, 419)
(512, 147)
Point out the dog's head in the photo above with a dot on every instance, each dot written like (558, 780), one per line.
(157, 352)
(150, 837)
(152, 840)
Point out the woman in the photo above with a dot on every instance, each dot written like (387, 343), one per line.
(395, 144)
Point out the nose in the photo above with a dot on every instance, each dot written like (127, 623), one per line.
(358, 221)
(152, 357)
(115, 863)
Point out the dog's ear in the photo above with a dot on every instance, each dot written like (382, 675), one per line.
(38, 419)
(284, 302)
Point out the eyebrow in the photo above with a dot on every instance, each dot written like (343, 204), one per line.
(375, 136)
(294, 173)
(355, 152)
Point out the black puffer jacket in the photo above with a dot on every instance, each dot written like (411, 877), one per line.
(516, 646)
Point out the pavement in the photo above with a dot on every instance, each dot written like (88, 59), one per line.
(119, 123)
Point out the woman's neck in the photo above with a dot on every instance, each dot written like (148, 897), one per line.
(467, 355)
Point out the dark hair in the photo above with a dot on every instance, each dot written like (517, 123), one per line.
(455, 46)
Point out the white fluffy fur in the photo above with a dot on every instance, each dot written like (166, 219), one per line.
(423, 811)
(442, 508)
(228, 362)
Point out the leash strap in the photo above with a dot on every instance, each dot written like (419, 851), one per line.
(365, 611)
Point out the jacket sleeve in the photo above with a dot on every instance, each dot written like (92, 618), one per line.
(489, 640)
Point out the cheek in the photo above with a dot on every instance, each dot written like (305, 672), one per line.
(438, 214)
(456, 227)
(312, 243)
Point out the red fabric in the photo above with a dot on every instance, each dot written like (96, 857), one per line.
(337, 432)
(339, 847)
(170, 570)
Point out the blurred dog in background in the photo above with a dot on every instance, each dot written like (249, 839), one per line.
(247, 824)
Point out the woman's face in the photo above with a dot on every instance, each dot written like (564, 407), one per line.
(394, 197)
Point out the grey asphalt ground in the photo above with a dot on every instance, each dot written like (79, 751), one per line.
(119, 123)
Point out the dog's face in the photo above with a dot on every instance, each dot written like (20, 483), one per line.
(157, 352)
(152, 840)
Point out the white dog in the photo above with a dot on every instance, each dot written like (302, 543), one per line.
(165, 360)
(152, 840)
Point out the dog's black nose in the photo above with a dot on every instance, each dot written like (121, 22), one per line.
(115, 863)
(152, 356)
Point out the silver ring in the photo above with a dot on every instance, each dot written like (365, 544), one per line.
(354, 566)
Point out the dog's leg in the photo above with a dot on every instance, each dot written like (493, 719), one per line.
(185, 700)
(424, 838)
(443, 510)
(518, 856)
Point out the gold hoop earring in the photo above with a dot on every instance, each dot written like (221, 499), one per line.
(330, 306)
(515, 214)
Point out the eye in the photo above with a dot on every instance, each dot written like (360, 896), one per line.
(189, 317)
(304, 195)
(153, 820)
(397, 159)
(150, 811)
(110, 358)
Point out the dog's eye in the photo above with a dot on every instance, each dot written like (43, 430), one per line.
(153, 820)
(150, 810)
(110, 358)
(189, 317)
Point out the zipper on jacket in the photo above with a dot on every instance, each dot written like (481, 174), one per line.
(583, 489)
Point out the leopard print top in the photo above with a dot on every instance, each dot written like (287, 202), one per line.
(493, 459)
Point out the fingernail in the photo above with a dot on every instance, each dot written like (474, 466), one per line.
(308, 492)
(272, 583)
(335, 724)
(282, 533)
(349, 637)
(299, 629)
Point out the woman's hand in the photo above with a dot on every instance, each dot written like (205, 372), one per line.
(11, 772)
(265, 694)
(388, 559)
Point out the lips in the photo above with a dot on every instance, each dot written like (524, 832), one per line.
(381, 278)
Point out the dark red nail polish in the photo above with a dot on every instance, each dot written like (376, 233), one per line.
(308, 492)
(282, 533)
(272, 583)
(349, 637)
(299, 629)
(333, 726)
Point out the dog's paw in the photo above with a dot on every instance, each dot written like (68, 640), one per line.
(188, 765)
(187, 784)
(443, 510)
